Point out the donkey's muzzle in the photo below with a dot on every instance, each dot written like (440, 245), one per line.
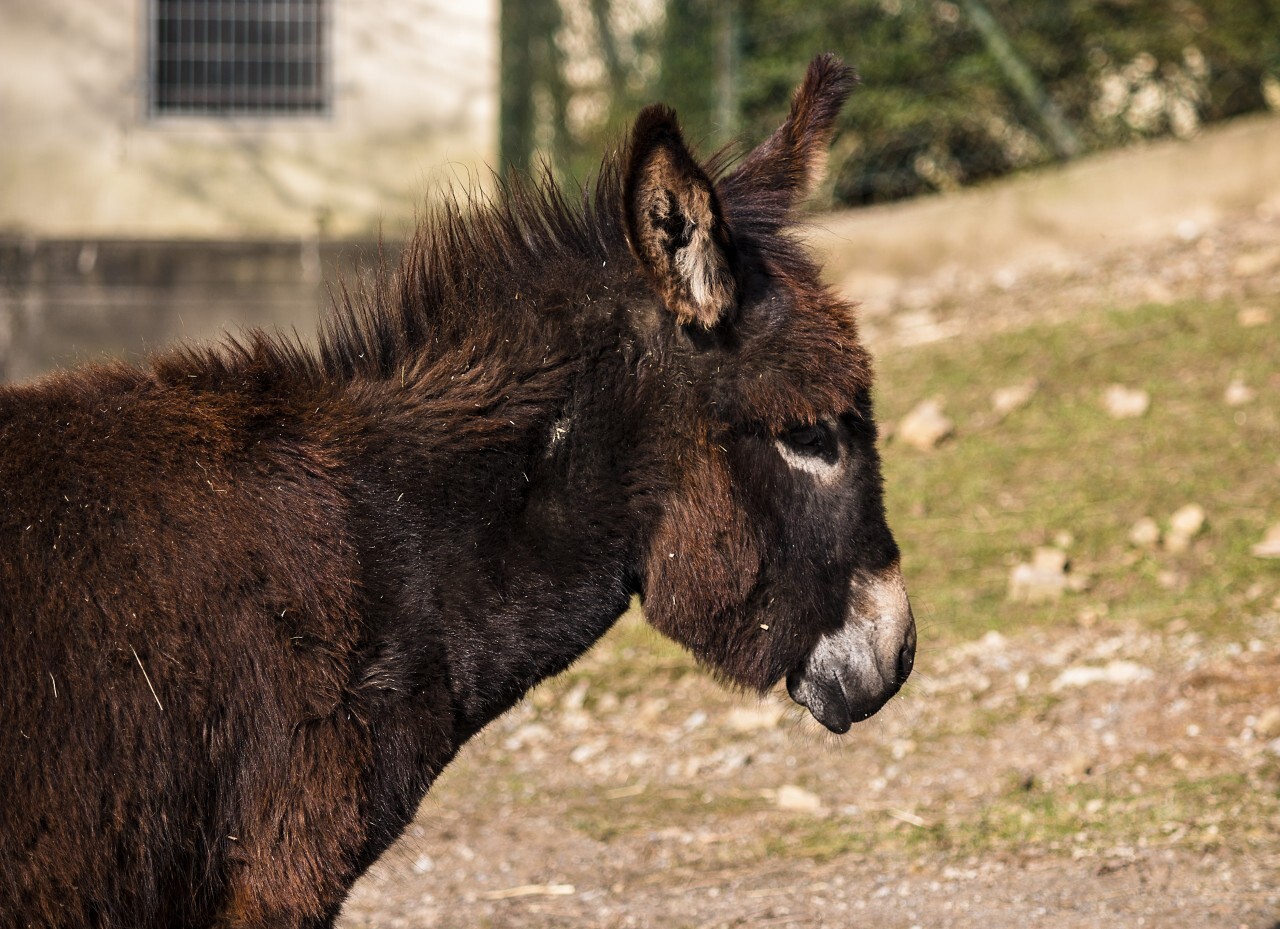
(854, 670)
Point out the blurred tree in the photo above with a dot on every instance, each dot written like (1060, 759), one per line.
(1064, 138)
(698, 68)
(515, 91)
(948, 97)
(533, 96)
(686, 66)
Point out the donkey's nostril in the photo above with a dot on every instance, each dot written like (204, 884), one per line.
(906, 659)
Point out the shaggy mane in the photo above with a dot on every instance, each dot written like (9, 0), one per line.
(473, 268)
(472, 272)
(477, 271)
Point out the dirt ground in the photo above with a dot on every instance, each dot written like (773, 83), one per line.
(1088, 776)
(1083, 778)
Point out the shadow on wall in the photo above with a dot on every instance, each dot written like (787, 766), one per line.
(64, 302)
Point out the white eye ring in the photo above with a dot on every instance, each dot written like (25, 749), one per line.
(826, 472)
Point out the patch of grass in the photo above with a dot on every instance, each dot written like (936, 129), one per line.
(819, 840)
(653, 810)
(1100, 814)
(1096, 816)
(965, 512)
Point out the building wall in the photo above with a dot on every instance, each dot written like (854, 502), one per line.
(414, 107)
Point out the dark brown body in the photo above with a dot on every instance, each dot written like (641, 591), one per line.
(242, 642)
(253, 599)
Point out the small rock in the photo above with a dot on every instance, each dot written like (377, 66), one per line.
(1252, 316)
(1184, 525)
(1145, 533)
(574, 721)
(424, 864)
(925, 426)
(1044, 579)
(1126, 402)
(1188, 230)
(1077, 766)
(1268, 724)
(1251, 264)
(575, 698)
(976, 684)
(585, 752)
(1007, 399)
(1113, 672)
(525, 735)
(791, 797)
(901, 748)
(1049, 560)
(753, 719)
(1269, 547)
(992, 641)
(1087, 618)
(1238, 393)
(1027, 587)
(733, 759)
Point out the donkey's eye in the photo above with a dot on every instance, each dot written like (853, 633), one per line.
(817, 441)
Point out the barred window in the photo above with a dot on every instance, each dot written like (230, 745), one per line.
(239, 57)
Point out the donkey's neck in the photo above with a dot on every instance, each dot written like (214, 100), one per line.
(500, 532)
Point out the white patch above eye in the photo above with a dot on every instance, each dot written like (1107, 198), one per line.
(826, 472)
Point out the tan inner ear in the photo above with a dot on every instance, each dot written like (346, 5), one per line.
(683, 242)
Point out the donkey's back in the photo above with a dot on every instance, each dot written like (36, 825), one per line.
(176, 596)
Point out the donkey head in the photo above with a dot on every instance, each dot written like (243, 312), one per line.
(773, 558)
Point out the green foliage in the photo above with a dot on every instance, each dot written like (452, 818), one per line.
(937, 109)
(687, 69)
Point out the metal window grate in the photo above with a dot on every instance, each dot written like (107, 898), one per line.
(239, 57)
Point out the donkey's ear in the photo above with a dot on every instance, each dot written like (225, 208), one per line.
(674, 223)
(790, 164)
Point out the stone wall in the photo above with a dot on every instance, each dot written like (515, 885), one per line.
(68, 301)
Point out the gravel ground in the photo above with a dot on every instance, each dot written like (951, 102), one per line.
(1042, 780)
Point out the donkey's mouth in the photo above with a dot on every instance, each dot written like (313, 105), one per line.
(833, 703)
(847, 679)
(855, 669)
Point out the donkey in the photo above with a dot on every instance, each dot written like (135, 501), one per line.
(255, 597)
